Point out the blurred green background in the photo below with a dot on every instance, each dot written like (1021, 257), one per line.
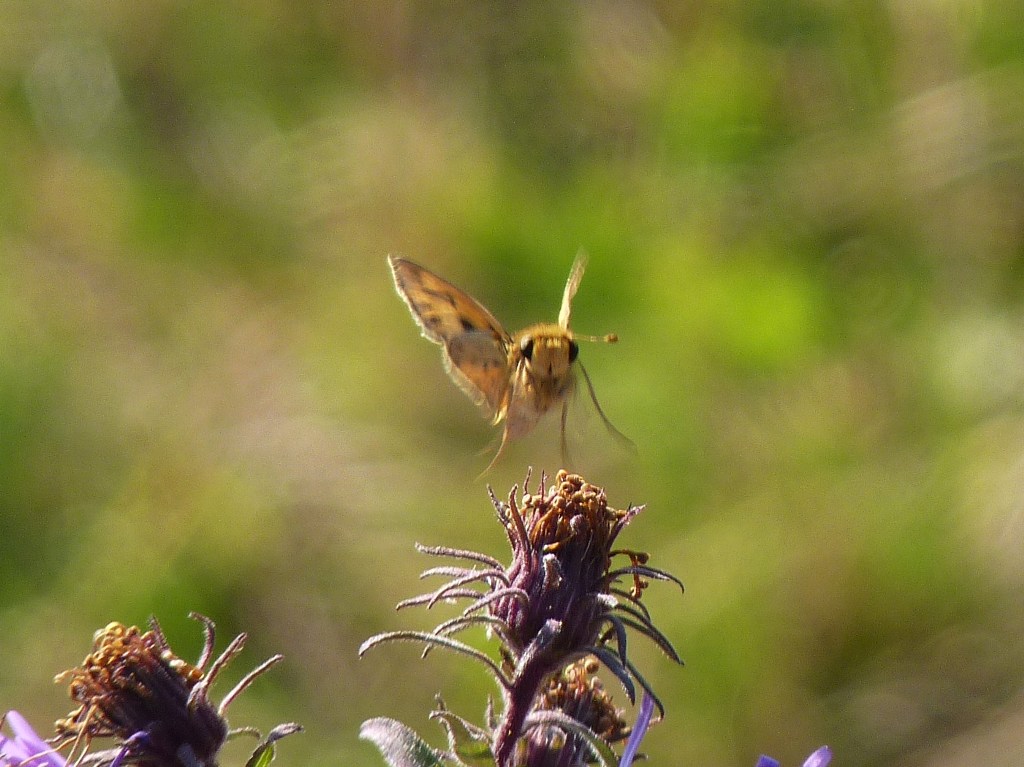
(805, 221)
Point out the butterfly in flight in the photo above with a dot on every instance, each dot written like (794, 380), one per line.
(513, 378)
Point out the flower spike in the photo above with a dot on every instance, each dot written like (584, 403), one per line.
(558, 611)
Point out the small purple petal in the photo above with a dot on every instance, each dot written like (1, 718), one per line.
(24, 735)
(26, 749)
(819, 758)
(643, 721)
(139, 738)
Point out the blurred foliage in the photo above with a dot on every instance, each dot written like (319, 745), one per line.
(805, 222)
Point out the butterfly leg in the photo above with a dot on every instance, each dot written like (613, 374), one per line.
(608, 424)
(566, 460)
(501, 449)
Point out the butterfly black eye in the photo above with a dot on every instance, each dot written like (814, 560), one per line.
(574, 351)
(526, 347)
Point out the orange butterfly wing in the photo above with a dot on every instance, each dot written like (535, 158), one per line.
(473, 343)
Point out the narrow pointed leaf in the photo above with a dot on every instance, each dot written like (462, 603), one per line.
(469, 743)
(264, 753)
(399, 745)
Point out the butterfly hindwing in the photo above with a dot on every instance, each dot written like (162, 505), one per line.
(478, 363)
(474, 344)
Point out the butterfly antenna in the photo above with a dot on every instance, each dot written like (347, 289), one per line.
(622, 438)
(610, 338)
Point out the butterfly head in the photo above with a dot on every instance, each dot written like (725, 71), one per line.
(546, 351)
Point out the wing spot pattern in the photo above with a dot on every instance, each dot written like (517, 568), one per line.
(441, 294)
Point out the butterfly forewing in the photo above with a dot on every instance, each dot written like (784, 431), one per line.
(571, 286)
(442, 310)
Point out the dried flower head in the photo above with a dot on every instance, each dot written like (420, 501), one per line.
(577, 693)
(133, 688)
(559, 601)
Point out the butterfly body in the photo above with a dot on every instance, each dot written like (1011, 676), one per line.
(513, 378)
(541, 364)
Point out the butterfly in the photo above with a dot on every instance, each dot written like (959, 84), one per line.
(513, 378)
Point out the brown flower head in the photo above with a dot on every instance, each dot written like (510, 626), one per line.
(577, 693)
(133, 688)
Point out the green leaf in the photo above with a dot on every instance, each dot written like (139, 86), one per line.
(399, 745)
(264, 753)
(262, 756)
(469, 743)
